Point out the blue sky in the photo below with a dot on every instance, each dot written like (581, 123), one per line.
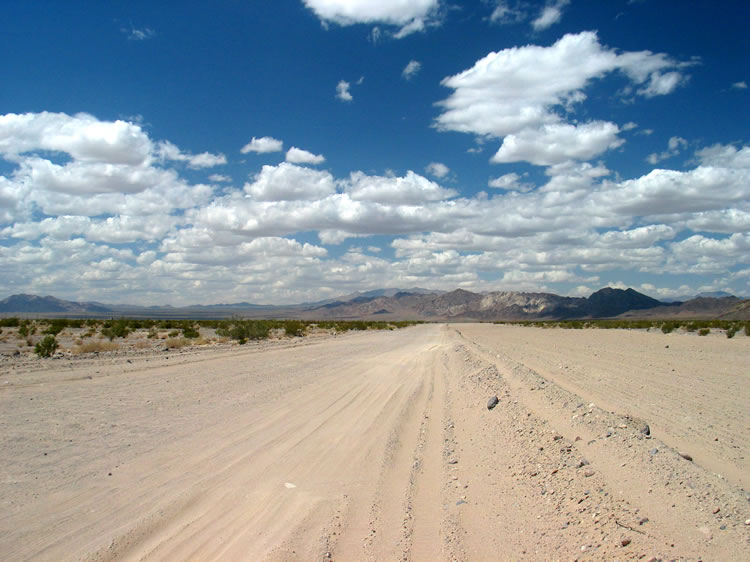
(295, 150)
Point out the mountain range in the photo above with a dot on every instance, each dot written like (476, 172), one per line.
(412, 304)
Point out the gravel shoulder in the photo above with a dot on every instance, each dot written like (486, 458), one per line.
(380, 446)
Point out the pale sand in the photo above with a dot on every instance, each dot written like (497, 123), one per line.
(379, 446)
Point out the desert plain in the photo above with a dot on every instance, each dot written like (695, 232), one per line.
(380, 445)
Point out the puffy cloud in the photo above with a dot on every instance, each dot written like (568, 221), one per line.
(263, 145)
(510, 182)
(740, 85)
(674, 146)
(437, 169)
(412, 189)
(725, 156)
(298, 156)
(220, 178)
(409, 16)
(550, 15)
(287, 182)
(82, 136)
(342, 91)
(558, 142)
(668, 192)
(522, 90)
(411, 69)
(169, 151)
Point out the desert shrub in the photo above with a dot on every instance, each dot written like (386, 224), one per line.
(26, 328)
(704, 331)
(668, 327)
(173, 333)
(176, 343)
(116, 329)
(189, 331)
(56, 326)
(46, 346)
(747, 328)
(11, 322)
(294, 328)
(731, 331)
(95, 347)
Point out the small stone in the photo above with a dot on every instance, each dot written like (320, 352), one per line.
(685, 456)
(747, 521)
(492, 402)
(625, 542)
(716, 510)
(588, 473)
(643, 521)
(653, 451)
(646, 430)
(453, 461)
(582, 463)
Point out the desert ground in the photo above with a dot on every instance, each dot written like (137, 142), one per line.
(381, 446)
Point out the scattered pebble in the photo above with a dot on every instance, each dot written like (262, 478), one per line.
(625, 542)
(716, 510)
(492, 402)
(588, 473)
(686, 456)
(646, 430)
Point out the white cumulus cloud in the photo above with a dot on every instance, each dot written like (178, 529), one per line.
(263, 145)
(437, 169)
(342, 91)
(527, 91)
(410, 16)
(298, 156)
(287, 182)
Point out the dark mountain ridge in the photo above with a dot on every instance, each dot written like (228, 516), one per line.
(417, 304)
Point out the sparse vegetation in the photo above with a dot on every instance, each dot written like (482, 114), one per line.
(98, 346)
(176, 343)
(702, 327)
(91, 335)
(46, 347)
(119, 328)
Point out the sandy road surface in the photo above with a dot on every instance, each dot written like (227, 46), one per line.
(379, 446)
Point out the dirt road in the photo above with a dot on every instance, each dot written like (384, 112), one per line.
(380, 446)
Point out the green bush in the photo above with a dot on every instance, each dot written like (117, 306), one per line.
(116, 329)
(294, 328)
(188, 330)
(56, 326)
(11, 322)
(704, 331)
(46, 347)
